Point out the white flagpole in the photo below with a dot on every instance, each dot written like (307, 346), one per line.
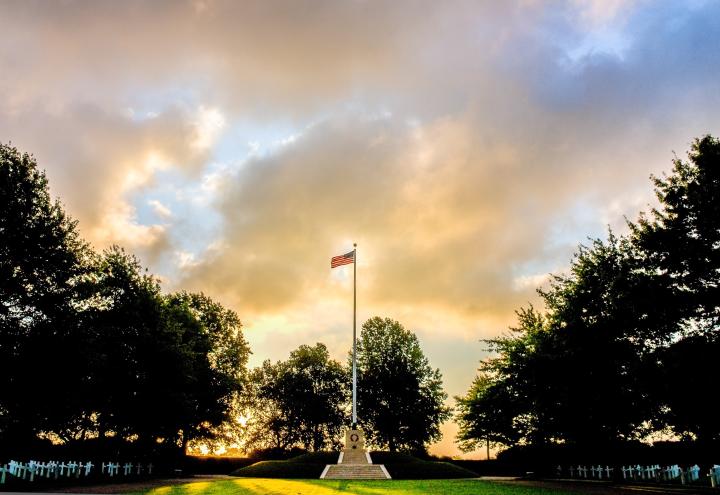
(354, 370)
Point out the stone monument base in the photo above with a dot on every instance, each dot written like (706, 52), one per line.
(354, 461)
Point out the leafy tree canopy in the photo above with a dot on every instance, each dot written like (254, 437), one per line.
(90, 346)
(400, 397)
(626, 336)
(41, 257)
(298, 402)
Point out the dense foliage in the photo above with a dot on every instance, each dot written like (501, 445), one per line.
(400, 397)
(91, 348)
(628, 339)
(93, 351)
(41, 257)
(298, 402)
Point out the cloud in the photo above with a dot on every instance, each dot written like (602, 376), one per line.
(97, 159)
(442, 213)
(160, 209)
(467, 147)
(460, 135)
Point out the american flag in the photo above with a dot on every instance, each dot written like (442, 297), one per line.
(343, 259)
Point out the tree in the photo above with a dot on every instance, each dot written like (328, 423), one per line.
(682, 237)
(298, 402)
(400, 397)
(503, 405)
(41, 257)
(681, 240)
(579, 372)
(90, 347)
(625, 336)
(272, 423)
(166, 368)
(486, 415)
(605, 319)
(319, 389)
(215, 419)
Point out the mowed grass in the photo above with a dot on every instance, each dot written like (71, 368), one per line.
(267, 486)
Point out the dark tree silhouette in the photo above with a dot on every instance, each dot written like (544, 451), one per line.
(41, 258)
(89, 345)
(298, 402)
(628, 339)
(681, 241)
(400, 397)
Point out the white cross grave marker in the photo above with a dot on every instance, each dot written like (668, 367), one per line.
(639, 472)
(650, 472)
(51, 469)
(674, 471)
(695, 473)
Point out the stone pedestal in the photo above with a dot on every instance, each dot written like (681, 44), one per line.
(354, 461)
(354, 440)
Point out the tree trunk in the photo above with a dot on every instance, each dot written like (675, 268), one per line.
(184, 443)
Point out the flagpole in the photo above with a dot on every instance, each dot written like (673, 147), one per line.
(354, 392)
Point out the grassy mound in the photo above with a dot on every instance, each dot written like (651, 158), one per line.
(311, 465)
(406, 467)
(305, 466)
(317, 457)
(281, 469)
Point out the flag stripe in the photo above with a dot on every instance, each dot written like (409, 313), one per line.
(343, 259)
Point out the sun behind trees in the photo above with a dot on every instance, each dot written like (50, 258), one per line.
(91, 350)
(628, 342)
(297, 403)
(303, 403)
(94, 356)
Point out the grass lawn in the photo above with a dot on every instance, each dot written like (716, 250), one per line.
(266, 486)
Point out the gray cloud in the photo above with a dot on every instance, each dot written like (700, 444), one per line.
(467, 147)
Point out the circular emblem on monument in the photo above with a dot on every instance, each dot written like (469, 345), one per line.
(354, 437)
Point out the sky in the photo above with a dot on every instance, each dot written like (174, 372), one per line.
(467, 147)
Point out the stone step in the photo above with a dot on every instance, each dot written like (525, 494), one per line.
(355, 471)
(354, 457)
